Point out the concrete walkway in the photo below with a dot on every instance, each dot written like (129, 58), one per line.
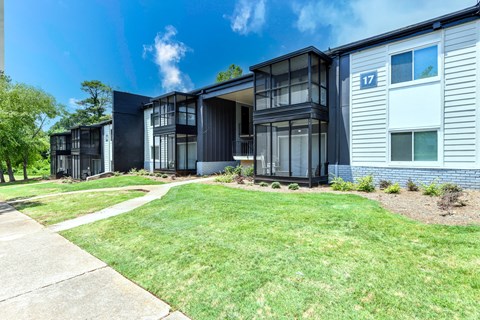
(156, 192)
(44, 276)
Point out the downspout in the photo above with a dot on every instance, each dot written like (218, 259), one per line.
(337, 116)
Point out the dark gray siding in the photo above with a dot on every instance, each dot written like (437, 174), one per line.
(339, 111)
(216, 129)
(128, 140)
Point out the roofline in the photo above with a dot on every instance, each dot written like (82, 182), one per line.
(94, 125)
(221, 85)
(64, 133)
(470, 13)
(171, 93)
(291, 55)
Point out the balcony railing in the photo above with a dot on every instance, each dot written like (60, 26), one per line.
(243, 148)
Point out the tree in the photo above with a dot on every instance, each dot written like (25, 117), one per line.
(23, 112)
(232, 72)
(92, 109)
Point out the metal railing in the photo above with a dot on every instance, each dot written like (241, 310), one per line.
(242, 148)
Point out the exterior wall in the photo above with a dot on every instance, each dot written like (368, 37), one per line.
(148, 139)
(107, 147)
(447, 103)
(466, 178)
(212, 167)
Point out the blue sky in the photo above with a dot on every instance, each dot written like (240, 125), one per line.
(149, 47)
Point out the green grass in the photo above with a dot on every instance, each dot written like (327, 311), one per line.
(13, 192)
(56, 209)
(223, 253)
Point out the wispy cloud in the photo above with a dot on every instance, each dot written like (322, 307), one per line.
(167, 53)
(358, 19)
(248, 16)
(72, 103)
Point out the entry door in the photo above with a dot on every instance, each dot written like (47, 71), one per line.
(299, 155)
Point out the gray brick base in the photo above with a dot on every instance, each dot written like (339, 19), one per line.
(466, 178)
(213, 167)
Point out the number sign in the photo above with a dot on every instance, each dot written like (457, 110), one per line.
(368, 80)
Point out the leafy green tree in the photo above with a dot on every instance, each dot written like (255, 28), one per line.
(23, 113)
(232, 72)
(91, 110)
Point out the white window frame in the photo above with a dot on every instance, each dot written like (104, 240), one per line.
(414, 163)
(417, 81)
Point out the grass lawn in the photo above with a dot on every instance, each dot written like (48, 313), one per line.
(65, 207)
(21, 191)
(221, 253)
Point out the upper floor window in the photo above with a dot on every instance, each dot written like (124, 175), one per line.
(414, 65)
(176, 108)
(295, 80)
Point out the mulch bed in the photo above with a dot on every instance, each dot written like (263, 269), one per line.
(414, 205)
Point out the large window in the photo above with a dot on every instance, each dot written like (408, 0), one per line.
(414, 65)
(414, 146)
(282, 148)
(296, 80)
(164, 148)
(175, 154)
(186, 152)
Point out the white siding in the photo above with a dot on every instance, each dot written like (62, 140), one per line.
(107, 147)
(369, 108)
(460, 126)
(148, 136)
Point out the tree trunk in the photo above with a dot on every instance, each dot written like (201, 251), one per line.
(9, 170)
(2, 177)
(25, 163)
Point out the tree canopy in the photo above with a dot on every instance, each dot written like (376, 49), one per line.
(232, 72)
(92, 109)
(23, 112)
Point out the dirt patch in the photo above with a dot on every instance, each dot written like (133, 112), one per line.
(414, 205)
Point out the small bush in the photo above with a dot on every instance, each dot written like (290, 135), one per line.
(263, 184)
(229, 170)
(365, 184)
(164, 176)
(68, 180)
(133, 171)
(275, 185)
(239, 179)
(338, 184)
(384, 184)
(117, 173)
(394, 188)
(293, 186)
(143, 172)
(248, 171)
(225, 178)
(411, 186)
(432, 189)
(238, 170)
(450, 187)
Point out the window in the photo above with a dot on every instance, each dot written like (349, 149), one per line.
(414, 65)
(186, 113)
(155, 119)
(414, 146)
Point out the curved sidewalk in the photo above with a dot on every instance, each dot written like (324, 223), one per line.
(156, 192)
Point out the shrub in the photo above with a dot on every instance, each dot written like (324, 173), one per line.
(143, 172)
(293, 186)
(164, 176)
(238, 170)
(133, 171)
(275, 185)
(239, 179)
(117, 173)
(225, 178)
(384, 184)
(432, 189)
(411, 186)
(450, 187)
(248, 171)
(229, 170)
(263, 184)
(338, 184)
(365, 184)
(68, 180)
(394, 188)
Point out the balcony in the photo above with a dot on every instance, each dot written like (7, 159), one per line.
(242, 150)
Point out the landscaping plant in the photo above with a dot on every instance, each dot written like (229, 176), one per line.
(229, 170)
(248, 171)
(365, 184)
(432, 189)
(384, 184)
(263, 184)
(411, 186)
(224, 178)
(338, 184)
(293, 186)
(276, 185)
(394, 188)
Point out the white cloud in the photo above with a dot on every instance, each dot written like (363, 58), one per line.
(72, 103)
(359, 19)
(167, 53)
(248, 16)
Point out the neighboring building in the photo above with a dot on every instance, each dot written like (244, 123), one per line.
(400, 105)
